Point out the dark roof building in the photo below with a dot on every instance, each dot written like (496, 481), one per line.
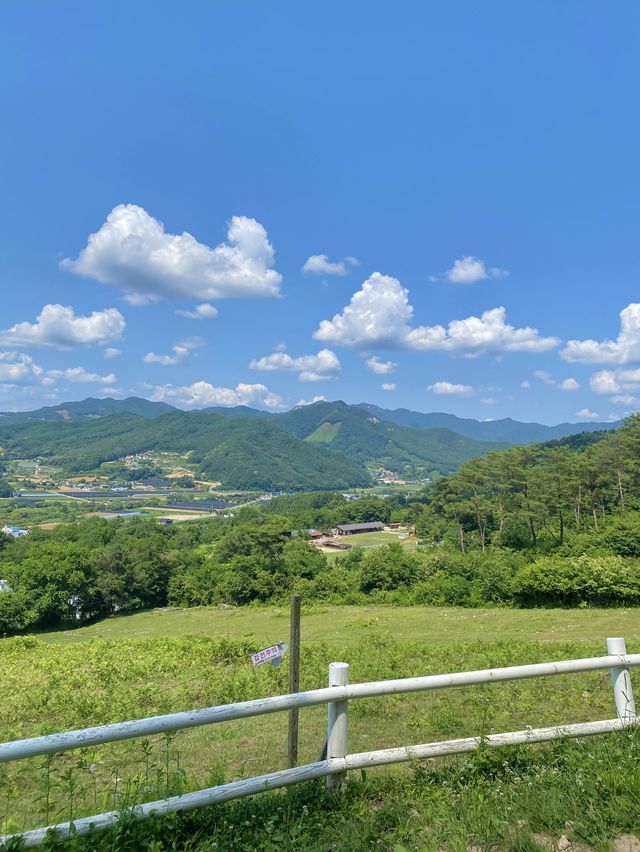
(353, 529)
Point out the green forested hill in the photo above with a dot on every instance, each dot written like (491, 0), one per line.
(240, 452)
(524, 496)
(368, 439)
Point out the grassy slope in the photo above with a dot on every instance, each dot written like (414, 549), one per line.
(433, 625)
(150, 665)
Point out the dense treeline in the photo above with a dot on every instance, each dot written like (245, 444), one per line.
(532, 497)
(95, 568)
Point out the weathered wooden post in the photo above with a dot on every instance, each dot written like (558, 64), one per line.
(294, 678)
(337, 722)
(621, 680)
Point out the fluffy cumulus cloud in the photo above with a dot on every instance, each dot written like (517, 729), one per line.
(379, 315)
(468, 270)
(112, 352)
(587, 414)
(200, 312)
(388, 386)
(615, 381)
(569, 384)
(382, 368)
(447, 388)
(57, 325)
(133, 252)
(625, 349)
(321, 265)
(203, 394)
(310, 368)
(18, 368)
(179, 353)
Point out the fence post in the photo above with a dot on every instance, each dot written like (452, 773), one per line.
(294, 679)
(337, 722)
(622, 689)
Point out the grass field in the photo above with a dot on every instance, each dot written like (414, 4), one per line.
(377, 539)
(167, 660)
(432, 625)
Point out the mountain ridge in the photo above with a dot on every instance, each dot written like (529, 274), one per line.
(503, 430)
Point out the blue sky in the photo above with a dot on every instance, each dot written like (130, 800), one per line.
(352, 191)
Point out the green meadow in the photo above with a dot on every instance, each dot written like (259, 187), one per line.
(167, 660)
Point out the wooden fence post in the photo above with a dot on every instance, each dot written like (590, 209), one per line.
(294, 679)
(337, 722)
(621, 680)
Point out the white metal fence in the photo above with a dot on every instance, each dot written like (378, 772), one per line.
(338, 760)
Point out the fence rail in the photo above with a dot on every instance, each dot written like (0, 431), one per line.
(338, 760)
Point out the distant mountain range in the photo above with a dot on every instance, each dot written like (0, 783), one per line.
(88, 409)
(321, 446)
(505, 430)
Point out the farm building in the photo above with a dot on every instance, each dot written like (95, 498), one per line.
(354, 529)
(16, 532)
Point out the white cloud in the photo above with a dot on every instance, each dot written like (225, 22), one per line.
(615, 381)
(544, 377)
(449, 388)
(203, 394)
(624, 349)
(321, 265)
(310, 368)
(57, 325)
(625, 399)
(302, 402)
(488, 400)
(132, 251)
(80, 375)
(379, 314)
(181, 352)
(587, 414)
(468, 270)
(382, 368)
(19, 368)
(526, 384)
(200, 312)
(388, 386)
(605, 381)
(111, 352)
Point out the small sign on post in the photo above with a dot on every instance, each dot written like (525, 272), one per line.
(273, 654)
